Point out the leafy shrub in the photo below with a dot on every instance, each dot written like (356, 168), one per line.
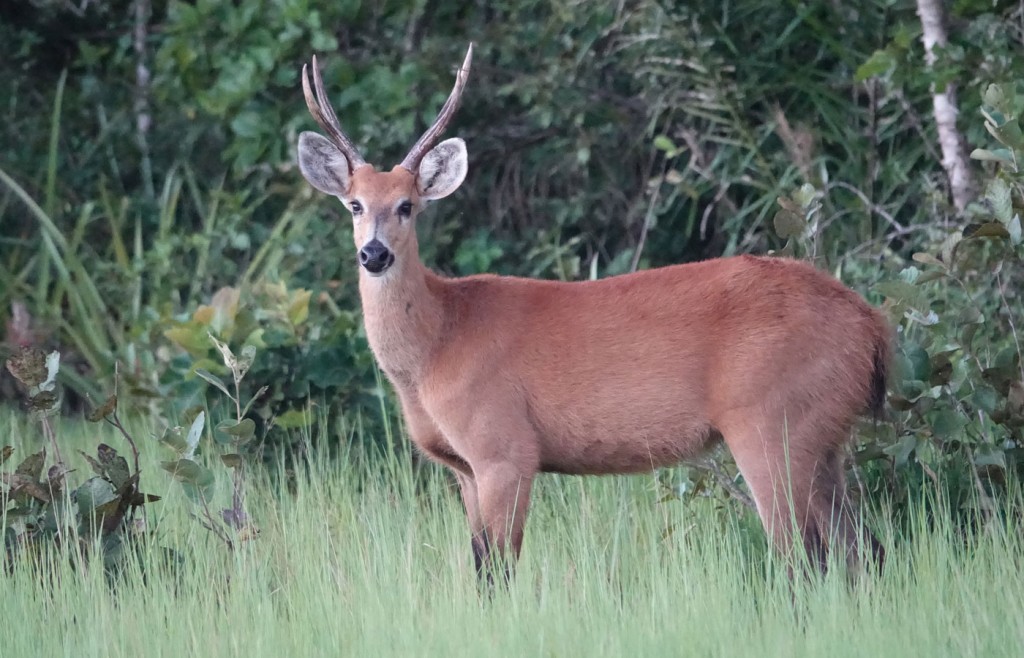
(957, 381)
(307, 370)
(41, 509)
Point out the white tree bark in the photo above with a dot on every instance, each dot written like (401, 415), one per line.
(954, 149)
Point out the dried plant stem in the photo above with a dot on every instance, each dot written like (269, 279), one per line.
(51, 437)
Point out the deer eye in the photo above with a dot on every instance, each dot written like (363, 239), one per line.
(356, 207)
(405, 208)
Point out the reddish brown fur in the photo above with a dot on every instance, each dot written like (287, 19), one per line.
(502, 378)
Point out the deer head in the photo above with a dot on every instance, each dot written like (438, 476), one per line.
(384, 205)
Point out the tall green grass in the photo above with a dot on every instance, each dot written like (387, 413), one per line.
(361, 561)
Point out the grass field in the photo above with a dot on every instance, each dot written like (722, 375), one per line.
(354, 563)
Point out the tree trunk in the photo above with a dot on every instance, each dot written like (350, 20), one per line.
(954, 149)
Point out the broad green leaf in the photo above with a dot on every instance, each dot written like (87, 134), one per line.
(115, 467)
(663, 143)
(187, 470)
(948, 424)
(190, 336)
(998, 195)
(970, 315)
(909, 274)
(1015, 400)
(901, 291)
(788, 224)
(232, 460)
(32, 466)
(881, 62)
(789, 204)
(917, 360)
(1003, 156)
(1008, 133)
(989, 455)
(805, 195)
(172, 437)
(298, 309)
(211, 378)
(245, 359)
(93, 493)
(902, 449)
(986, 230)
(928, 259)
(294, 418)
(994, 96)
(195, 432)
(1014, 229)
(930, 275)
(1007, 358)
(241, 431)
(220, 314)
(985, 398)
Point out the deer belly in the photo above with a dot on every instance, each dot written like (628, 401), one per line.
(629, 442)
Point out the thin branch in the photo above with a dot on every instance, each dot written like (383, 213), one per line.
(51, 436)
(711, 466)
(872, 206)
(116, 422)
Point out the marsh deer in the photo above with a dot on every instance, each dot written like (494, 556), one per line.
(501, 378)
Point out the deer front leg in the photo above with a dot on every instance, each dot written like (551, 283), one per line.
(467, 486)
(503, 492)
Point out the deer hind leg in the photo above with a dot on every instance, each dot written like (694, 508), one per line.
(836, 517)
(780, 476)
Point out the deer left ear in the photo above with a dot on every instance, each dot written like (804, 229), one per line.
(324, 165)
(443, 169)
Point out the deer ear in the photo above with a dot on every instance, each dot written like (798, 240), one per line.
(443, 169)
(324, 165)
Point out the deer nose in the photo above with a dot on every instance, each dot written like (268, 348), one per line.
(375, 257)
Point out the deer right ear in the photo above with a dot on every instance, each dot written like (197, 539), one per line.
(443, 169)
(324, 165)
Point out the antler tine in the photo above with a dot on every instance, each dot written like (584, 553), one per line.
(324, 115)
(444, 117)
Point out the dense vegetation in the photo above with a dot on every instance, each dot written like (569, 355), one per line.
(149, 197)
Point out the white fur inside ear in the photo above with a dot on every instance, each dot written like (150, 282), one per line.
(323, 165)
(443, 169)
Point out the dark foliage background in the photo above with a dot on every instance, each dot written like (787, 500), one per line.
(149, 193)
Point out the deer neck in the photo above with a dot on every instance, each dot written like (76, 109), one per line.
(404, 316)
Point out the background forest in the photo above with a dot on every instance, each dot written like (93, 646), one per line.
(149, 195)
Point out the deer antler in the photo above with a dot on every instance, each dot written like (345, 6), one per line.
(324, 115)
(444, 117)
